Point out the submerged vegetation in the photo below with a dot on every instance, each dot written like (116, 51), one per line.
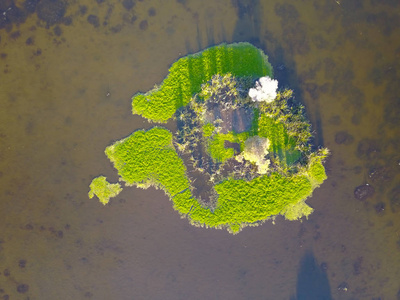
(242, 152)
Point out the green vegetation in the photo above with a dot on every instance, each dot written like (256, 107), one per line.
(149, 158)
(219, 87)
(316, 170)
(187, 75)
(282, 145)
(242, 203)
(104, 190)
(233, 162)
(285, 111)
(294, 210)
(217, 149)
(208, 130)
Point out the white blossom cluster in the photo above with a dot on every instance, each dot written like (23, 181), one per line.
(265, 90)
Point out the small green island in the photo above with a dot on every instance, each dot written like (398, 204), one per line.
(241, 153)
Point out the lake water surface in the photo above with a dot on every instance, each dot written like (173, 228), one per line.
(67, 73)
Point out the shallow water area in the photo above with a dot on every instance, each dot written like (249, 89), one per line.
(68, 71)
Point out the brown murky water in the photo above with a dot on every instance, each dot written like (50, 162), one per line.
(67, 74)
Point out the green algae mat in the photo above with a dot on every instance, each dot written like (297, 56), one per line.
(241, 154)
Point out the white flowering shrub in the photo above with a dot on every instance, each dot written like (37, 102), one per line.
(265, 90)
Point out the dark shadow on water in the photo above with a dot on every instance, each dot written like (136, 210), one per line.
(312, 282)
(248, 25)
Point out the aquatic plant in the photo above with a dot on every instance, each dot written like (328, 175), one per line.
(149, 159)
(239, 156)
(104, 190)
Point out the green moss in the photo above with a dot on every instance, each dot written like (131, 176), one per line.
(254, 123)
(296, 211)
(208, 130)
(217, 149)
(104, 190)
(149, 158)
(316, 171)
(242, 203)
(188, 74)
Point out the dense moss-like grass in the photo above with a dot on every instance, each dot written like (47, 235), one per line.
(208, 130)
(187, 75)
(316, 170)
(149, 158)
(216, 145)
(243, 203)
(296, 210)
(104, 190)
